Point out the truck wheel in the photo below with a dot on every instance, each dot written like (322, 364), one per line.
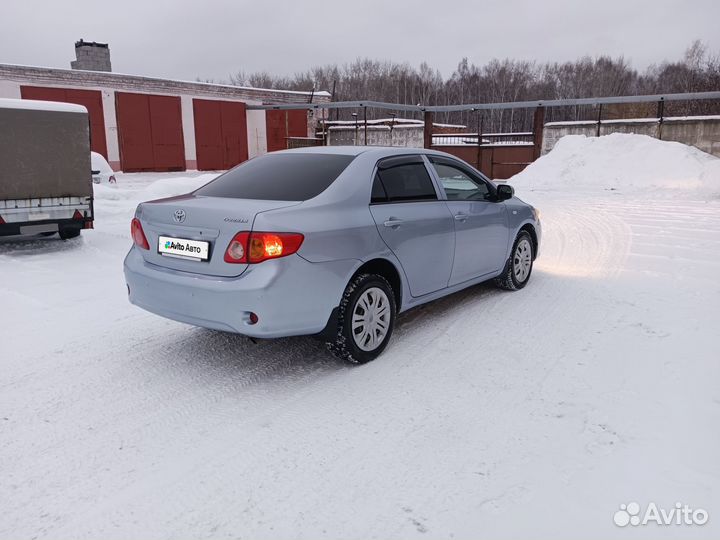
(67, 234)
(365, 320)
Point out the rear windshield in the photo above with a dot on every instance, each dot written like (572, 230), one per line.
(279, 177)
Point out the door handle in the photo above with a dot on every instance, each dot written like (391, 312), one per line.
(460, 217)
(393, 222)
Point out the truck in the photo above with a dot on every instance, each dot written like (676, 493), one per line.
(46, 184)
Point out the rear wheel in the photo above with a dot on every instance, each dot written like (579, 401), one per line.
(365, 320)
(519, 267)
(68, 233)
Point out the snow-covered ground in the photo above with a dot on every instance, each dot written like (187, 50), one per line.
(532, 414)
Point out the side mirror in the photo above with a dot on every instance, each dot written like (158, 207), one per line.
(505, 192)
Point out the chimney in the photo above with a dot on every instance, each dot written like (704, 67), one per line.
(91, 56)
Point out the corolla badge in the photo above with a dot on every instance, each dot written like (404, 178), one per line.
(179, 215)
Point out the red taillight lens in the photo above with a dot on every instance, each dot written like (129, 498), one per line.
(138, 235)
(264, 245)
(2, 221)
(77, 215)
(256, 247)
(236, 251)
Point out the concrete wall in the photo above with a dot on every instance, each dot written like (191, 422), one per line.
(257, 133)
(408, 136)
(111, 129)
(702, 132)
(10, 89)
(188, 125)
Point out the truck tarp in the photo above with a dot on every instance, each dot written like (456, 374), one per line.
(44, 153)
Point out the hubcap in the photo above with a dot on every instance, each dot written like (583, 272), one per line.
(371, 319)
(522, 260)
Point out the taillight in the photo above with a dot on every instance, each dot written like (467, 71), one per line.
(2, 221)
(266, 245)
(236, 251)
(257, 247)
(77, 215)
(138, 235)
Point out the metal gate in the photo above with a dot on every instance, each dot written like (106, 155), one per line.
(90, 99)
(283, 124)
(220, 134)
(149, 132)
(495, 161)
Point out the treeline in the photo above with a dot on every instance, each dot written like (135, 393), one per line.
(508, 80)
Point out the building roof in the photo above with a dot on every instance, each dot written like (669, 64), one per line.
(74, 77)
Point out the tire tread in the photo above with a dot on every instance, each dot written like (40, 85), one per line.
(340, 347)
(507, 280)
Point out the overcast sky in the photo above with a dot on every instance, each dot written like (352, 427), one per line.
(185, 39)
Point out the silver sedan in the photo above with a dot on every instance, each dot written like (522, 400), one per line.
(332, 241)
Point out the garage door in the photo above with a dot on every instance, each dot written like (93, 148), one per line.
(149, 132)
(90, 99)
(220, 134)
(283, 124)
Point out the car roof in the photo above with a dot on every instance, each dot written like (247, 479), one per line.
(377, 151)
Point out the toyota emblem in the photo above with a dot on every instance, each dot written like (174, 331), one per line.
(179, 215)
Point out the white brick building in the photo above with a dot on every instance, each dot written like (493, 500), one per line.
(150, 124)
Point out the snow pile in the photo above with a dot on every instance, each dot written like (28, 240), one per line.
(624, 162)
(157, 189)
(176, 186)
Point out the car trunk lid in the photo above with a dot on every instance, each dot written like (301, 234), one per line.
(214, 220)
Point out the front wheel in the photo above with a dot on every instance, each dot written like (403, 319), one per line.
(365, 320)
(519, 267)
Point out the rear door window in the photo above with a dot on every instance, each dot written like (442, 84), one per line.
(378, 191)
(279, 177)
(403, 179)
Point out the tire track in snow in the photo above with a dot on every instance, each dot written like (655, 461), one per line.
(202, 433)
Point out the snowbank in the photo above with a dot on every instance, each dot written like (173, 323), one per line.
(157, 189)
(623, 162)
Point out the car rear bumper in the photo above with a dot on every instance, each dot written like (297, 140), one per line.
(290, 295)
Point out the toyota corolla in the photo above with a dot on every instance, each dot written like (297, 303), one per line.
(331, 241)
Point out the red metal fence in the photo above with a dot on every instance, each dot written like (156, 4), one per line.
(497, 155)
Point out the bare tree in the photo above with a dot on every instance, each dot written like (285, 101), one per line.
(503, 80)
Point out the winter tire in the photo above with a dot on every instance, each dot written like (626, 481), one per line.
(519, 267)
(366, 318)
